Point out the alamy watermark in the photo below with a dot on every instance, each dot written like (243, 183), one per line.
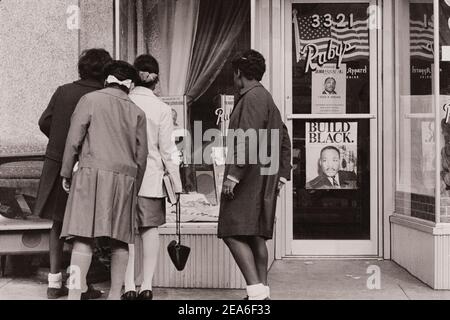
(74, 280)
(374, 280)
(240, 147)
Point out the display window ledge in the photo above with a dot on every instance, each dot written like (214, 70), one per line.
(190, 228)
(421, 225)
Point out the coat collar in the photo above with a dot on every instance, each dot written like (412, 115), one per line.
(90, 83)
(143, 91)
(116, 93)
(245, 90)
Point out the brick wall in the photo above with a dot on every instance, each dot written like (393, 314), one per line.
(416, 205)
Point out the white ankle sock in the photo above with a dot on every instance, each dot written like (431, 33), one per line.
(257, 292)
(55, 280)
(267, 291)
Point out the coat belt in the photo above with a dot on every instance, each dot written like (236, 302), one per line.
(108, 166)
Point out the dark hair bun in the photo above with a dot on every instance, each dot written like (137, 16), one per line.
(251, 63)
(147, 63)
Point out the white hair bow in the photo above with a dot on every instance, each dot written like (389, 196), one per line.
(147, 77)
(126, 83)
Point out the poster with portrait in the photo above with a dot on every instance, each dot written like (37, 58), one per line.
(179, 113)
(428, 153)
(331, 155)
(329, 89)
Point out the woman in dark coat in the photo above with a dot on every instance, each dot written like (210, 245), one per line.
(54, 123)
(108, 139)
(250, 190)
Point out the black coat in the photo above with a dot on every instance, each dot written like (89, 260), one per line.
(55, 124)
(252, 211)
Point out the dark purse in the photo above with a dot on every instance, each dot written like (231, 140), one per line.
(178, 253)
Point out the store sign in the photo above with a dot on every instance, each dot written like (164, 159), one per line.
(356, 73)
(330, 37)
(223, 113)
(446, 109)
(333, 52)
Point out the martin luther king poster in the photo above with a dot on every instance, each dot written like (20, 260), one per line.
(331, 155)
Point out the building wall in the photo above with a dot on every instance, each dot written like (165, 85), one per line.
(38, 53)
(422, 248)
(414, 250)
(97, 24)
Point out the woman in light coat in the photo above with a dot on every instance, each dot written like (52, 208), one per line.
(163, 155)
(108, 138)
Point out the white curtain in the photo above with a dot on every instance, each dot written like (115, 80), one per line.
(167, 30)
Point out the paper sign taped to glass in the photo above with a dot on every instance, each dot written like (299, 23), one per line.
(179, 113)
(224, 113)
(331, 155)
(329, 89)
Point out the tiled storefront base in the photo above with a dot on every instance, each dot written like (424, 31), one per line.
(210, 263)
(422, 248)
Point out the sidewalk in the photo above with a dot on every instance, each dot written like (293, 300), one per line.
(289, 279)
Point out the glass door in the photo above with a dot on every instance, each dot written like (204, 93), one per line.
(331, 98)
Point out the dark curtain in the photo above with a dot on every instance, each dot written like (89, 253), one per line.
(219, 25)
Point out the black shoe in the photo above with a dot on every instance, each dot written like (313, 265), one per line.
(91, 294)
(56, 293)
(146, 295)
(130, 295)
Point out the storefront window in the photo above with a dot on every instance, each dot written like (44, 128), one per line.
(194, 42)
(416, 142)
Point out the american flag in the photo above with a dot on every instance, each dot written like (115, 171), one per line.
(357, 36)
(421, 40)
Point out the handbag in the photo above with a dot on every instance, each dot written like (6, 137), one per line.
(178, 253)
